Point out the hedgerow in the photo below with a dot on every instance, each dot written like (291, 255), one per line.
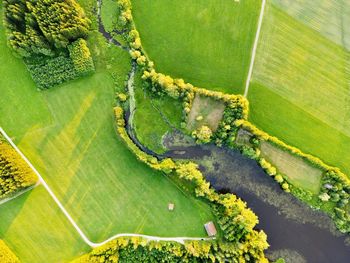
(6, 255)
(15, 174)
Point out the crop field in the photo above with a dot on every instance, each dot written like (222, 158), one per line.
(298, 171)
(300, 85)
(154, 117)
(207, 43)
(208, 109)
(67, 133)
(29, 225)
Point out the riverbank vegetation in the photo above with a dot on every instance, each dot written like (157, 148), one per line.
(15, 174)
(49, 36)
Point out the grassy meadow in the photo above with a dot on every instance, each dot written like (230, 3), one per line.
(300, 88)
(67, 133)
(207, 43)
(299, 172)
(154, 117)
(36, 230)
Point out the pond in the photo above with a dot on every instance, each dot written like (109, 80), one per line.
(294, 230)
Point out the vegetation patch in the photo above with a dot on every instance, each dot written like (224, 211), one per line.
(205, 111)
(299, 172)
(6, 255)
(207, 43)
(154, 116)
(49, 36)
(15, 174)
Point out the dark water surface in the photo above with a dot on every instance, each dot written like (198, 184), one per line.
(289, 224)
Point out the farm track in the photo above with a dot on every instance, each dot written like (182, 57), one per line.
(250, 72)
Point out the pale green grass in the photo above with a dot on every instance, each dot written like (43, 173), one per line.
(67, 133)
(329, 17)
(299, 172)
(208, 109)
(149, 124)
(37, 231)
(109, 14)
(308, 75)
(208, 43)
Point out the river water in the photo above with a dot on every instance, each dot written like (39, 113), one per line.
(294, 230)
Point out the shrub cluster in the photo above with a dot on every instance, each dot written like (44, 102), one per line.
(49, 35)
(136, 249)
(15, 174)
(6, 255)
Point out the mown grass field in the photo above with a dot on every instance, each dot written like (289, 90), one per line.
(36, 230)
(207, 43)
(67, 133)
(299, 172)
(328, 17)
(154, 117)
(300, 87)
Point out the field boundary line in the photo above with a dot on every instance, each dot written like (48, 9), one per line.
(5, 200)
(257, 35)
(71, 220)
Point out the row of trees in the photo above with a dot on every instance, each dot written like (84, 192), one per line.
(15, 174)
(49, 35)
(137, 249)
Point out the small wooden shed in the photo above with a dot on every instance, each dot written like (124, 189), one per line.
(210, 228)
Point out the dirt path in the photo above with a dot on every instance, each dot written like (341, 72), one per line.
(250, 72)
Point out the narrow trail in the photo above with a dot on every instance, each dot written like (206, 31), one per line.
(250, 72)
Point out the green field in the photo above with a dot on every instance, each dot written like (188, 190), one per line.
(298, 171)
(37, 231)
(67, 133)
(154, 116)
(207, 43)
(329, 17)
(300, 88)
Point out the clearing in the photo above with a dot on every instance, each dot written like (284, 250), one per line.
(299, 172)
(208, 110)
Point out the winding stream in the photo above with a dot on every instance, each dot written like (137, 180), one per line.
(295, 231)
